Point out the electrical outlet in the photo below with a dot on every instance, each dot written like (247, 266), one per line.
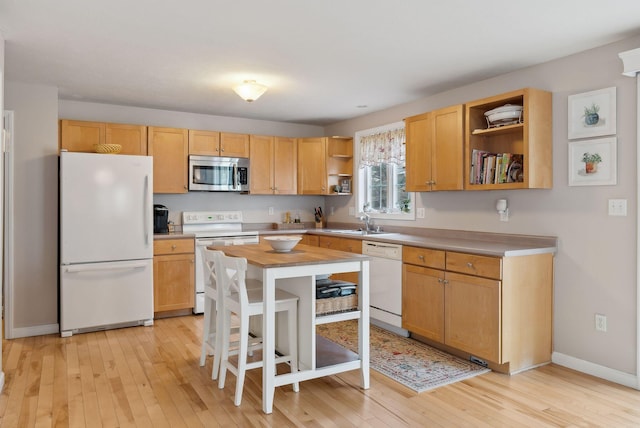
(420, 213)
(332, 211)
(601, 322)
(618, 207)
(270, 210)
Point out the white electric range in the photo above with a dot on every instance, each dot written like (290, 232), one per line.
(213, 228)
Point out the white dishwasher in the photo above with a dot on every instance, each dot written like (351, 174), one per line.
(385, 285)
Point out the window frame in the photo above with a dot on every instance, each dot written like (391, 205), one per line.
(360, 181)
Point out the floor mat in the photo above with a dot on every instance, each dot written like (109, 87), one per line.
(412, 363)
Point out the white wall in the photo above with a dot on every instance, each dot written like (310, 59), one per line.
(1, 192)
(35, 300)
(595, 268)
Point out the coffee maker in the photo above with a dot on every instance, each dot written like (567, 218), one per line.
(160, 219)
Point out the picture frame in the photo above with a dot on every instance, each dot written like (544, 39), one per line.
(345, 184)
(592, 114)
(593, 162)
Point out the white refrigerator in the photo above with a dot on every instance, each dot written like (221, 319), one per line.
(106, 241)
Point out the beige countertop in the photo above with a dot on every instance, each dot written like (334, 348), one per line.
(484, 243)
(175, 235)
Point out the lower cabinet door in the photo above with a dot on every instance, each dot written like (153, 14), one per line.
(423, 301)
(472, 320)
(173, 282)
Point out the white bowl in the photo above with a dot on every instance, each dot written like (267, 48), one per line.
(283, 244)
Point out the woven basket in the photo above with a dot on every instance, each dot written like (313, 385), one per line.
(334, 305)
(107, 148)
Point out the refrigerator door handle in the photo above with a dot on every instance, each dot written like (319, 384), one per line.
(146, 210)
(109, 267)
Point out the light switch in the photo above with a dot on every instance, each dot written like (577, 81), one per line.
(618, 207)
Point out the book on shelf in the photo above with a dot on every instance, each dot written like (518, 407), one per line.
(495, 168)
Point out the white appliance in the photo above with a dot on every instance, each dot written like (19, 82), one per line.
(385, 285)
(106, 241)
(213, 228)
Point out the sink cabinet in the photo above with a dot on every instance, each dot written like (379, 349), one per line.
(498, 309)
(173, 274)
(342, 244)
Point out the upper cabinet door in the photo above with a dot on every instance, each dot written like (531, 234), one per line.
(234, 145)
(261, 173)
(312, 166)
(447, 160)
(418, 152)
(81, 136)
(170, 150)
(285, 159)
(204, 143)
(132, 138)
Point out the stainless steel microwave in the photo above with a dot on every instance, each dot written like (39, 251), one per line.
(218, 174)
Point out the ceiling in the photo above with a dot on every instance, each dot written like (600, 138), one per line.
(324, 61)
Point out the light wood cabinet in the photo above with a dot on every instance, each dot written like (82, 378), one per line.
(173, 274)
(312, 166)
(530, 139)
(170, 150)
(494, 308)
(339, 164)
(81, 136)
(273, 165)
(313, 240)
(434, 150)
(342, 244)
(323, 163)
(214, 143)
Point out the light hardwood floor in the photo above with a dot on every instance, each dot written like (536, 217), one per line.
(149, 377)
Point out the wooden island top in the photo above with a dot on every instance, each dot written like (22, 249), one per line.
(262, 255)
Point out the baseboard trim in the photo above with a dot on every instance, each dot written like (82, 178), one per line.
(38, 330)
(596, 370)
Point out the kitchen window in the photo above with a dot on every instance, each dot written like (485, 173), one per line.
(381, 174)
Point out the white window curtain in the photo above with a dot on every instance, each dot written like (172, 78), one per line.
(383, 147)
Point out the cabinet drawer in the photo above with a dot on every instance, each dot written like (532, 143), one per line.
(173, 246)
(471, 264)
(423, 257)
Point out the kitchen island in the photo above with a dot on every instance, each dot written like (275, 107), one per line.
(296, 272)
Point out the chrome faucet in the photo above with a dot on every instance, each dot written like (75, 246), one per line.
(367, 221)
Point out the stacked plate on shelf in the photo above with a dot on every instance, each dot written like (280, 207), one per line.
(505, 115)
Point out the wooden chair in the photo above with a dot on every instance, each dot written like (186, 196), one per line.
(231, 274)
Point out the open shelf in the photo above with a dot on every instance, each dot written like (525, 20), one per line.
(530, 142)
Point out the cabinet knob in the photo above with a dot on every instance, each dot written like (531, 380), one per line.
(470, 265)
(440, 280)
(445, 281)
(174, 246)
(222, 149)
(421, 257)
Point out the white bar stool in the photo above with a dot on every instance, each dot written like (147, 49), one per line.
(211, 341)
(245, 303)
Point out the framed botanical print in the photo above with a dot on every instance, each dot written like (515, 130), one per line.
(592, 114)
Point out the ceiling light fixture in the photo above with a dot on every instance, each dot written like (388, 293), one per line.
(250, 90)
